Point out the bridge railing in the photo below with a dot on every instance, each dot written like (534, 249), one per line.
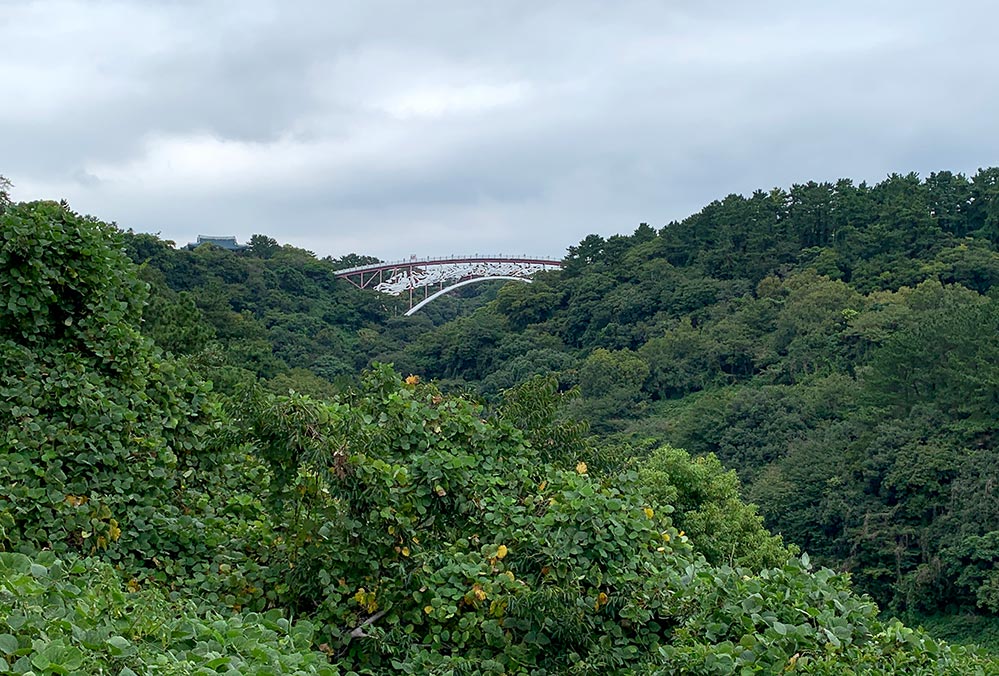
(543, 260)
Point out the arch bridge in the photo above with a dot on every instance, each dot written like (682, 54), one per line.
(426, 279)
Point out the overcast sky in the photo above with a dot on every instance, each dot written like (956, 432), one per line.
(398, 128)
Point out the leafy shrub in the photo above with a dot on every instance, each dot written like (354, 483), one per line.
(429, 539)
(427, 536)
(789, 620)
(706, 505)
(95, 422)
(63, 616)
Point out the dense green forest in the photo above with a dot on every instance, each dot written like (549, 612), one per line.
(212, 469)
(835, 344)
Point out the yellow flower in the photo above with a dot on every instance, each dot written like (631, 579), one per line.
(666, 537)
(542, 486)
(412, 380)
(501, 551)
(405, 551)
(648, 512)
(581, 467)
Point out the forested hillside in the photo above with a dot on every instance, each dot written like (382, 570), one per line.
(830, 342)
(834, 343)
(209, 471)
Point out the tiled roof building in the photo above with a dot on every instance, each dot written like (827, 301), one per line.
(223, 242)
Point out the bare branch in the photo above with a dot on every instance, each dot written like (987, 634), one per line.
(358, 632)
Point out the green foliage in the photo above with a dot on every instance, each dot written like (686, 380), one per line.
(351, 260)
(960, 628)
(428, 539)
(611, 383)
(824, 340)
(942, 360)
(706, 505)
(538, 409)
(818, 340)
(5, 186)
(63, 281)
(785, 620)
(415, 523)
(96, 423)
(467, 346)
(807, 334)
(525, 304)
(777, 291)
(175, 323)
(266, 310)
(78, 617)
(302, 381)
(681, 361)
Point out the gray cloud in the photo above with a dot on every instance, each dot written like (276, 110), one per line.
(393, 128)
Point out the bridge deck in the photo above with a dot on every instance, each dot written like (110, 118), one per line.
(448, 260)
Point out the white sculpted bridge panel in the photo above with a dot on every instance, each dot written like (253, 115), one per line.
(418, 277)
